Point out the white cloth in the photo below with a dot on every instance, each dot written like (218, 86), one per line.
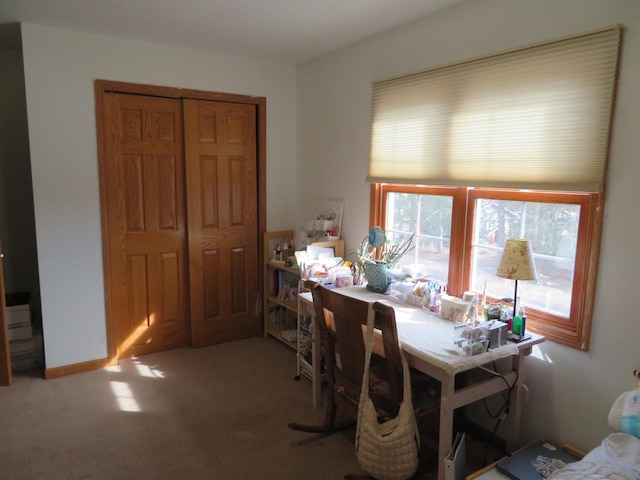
(588, 471)
(616, 458)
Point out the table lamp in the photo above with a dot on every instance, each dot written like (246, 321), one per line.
(517, 263)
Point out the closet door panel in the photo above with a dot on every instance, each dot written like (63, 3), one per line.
(237, 196)
(239, 280)
(207, 192)
(221, 172)
(144, 216)
(211, 283)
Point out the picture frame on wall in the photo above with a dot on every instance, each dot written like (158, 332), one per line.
(330, 211)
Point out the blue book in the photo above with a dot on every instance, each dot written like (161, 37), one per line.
(536, 461)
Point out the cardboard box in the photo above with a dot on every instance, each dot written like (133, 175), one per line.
(27, 353)
(18, 316)
(27, 360)
(27, 345)
(20, 333)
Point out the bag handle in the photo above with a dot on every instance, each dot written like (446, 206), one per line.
(364, 392)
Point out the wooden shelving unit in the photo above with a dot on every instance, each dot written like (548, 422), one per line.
(284, 314)
(280, 314)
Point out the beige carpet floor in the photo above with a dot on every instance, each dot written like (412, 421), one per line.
(219, 412)
(215, 413)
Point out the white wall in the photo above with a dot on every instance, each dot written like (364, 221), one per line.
(571, 391)
(60, 67)
(17, 230)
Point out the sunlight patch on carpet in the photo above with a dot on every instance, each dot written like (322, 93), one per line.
(124, 396)
(147, 371)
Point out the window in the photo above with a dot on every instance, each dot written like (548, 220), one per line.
(429, 212)
(460, 233)
(517, 144)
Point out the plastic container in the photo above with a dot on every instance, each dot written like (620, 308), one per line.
(492, 311)
(471, 337)
(344, 280)
(453, 308)
(519, 322)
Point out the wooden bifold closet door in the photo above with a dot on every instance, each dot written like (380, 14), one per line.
(220, 145)
(179, 201)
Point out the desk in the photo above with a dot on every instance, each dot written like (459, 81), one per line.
(427, 341)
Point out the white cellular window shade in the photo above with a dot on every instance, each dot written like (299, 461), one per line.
(537, 117)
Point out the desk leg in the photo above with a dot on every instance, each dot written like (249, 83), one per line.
(446, 423)
(519, 395)
(316, 371)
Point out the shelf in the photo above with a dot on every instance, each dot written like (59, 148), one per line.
(288, 314)
(281, 266)
(288, 304)
(276, 332)
(305, 331)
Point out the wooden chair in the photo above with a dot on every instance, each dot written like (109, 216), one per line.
(341, 320)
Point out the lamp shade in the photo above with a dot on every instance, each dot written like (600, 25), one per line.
(517, 260)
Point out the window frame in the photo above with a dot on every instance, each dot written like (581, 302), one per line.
(573, 331)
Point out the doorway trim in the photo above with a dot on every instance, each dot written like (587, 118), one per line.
(101, 88)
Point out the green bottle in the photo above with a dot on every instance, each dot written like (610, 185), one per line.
(519, 322)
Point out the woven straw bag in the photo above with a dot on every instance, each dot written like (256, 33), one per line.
(389, 450)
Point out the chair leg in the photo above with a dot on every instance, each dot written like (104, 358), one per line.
(329, 420)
